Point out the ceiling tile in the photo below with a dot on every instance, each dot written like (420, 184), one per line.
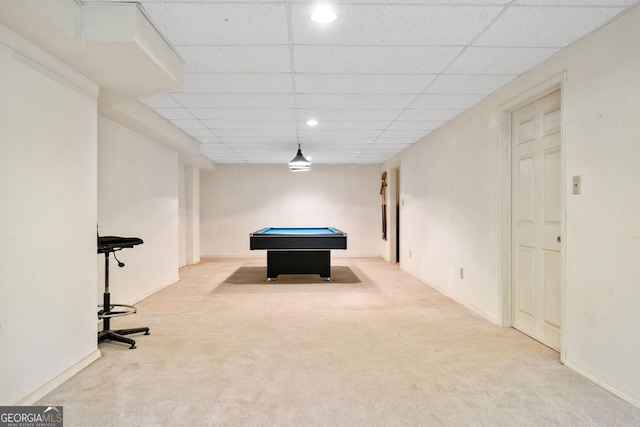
(208, 100)
(417, 124)
(219, 23)
(577, 2)
(381, 146)
(397, 24)
(320, 114)
(499, 60)
(407, 2)
(263, 133)
(373, 59)
(381, 152)
(258, 152)
(353, 101)
(208, 139)
(340, 133)
(362, 83)
(376, 157)
(544, 26)
(250, 124)
(446, 101)
(262, 147)
(262, 138)
(235, 59)
(237, 83)
(335, 148)
(468, 83)
(332, 139)
(243, 114)
(423, 114)
(203, 1)
(405, 133)
(345, 124)
(397, 140)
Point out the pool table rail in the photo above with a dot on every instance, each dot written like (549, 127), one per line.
(261, 240)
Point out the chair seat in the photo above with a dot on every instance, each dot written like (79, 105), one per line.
(115, 243)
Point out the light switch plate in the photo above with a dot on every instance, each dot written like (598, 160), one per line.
(577, 184)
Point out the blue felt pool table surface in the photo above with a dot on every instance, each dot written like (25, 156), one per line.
(298, 230)
(298, 238)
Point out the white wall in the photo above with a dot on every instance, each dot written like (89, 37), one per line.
(451, 182)
(192, 214)
(236, 200)
(47, 233)
(182, 217)
(603, 227)
(137, 196)
(449, 212)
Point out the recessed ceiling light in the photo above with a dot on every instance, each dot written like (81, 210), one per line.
(312, 122)
(323, 14)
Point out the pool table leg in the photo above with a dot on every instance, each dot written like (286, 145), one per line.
(299, 262)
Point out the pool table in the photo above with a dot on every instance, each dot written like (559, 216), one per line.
(298, 250)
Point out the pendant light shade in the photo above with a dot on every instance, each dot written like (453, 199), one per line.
(299, 163)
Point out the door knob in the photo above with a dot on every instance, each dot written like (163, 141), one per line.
(559, 239)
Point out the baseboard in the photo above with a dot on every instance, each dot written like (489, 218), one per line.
(476, 310)
(153, 291)
(59, 379)
(187, 263)
(635, 401)
(100, 323)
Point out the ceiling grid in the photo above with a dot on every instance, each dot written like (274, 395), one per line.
(380, 77)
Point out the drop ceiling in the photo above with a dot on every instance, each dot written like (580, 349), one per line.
(382, 76)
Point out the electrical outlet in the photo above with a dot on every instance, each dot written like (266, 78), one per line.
(461, 273)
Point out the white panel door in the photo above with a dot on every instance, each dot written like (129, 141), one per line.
(536, 199)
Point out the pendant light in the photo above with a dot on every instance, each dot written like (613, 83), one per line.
(299, 163)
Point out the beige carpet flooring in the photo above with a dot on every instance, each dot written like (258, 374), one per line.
(384, 351)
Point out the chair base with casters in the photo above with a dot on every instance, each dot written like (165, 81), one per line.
(106, 246)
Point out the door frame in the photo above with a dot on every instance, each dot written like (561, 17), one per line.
(505, 255)
(393, 193)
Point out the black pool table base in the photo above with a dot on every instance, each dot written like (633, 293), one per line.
(298, 262)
